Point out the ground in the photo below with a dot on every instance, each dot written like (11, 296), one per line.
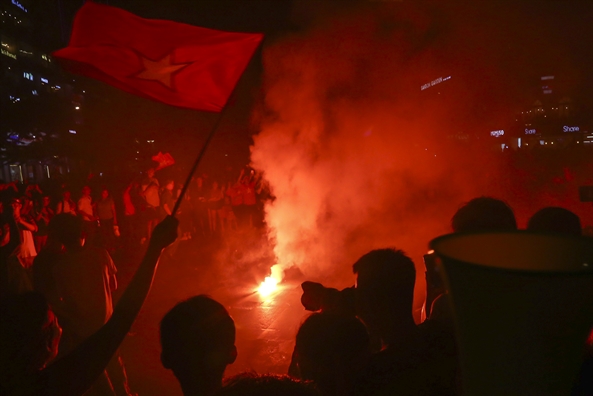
(266, 327)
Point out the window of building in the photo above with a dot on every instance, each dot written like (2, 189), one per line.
(16, 173)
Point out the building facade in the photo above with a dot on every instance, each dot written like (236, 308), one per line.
(41, 108)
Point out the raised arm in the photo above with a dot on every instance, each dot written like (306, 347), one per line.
(76, 372)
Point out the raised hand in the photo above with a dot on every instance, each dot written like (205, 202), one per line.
(164, 233)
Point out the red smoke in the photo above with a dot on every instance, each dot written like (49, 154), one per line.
(356, 157)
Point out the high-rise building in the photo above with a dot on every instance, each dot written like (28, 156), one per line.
(555, 118)
(41, 108)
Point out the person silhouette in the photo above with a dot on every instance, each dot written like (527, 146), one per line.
(198, 342)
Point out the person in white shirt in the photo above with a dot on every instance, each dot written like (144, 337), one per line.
(66, 205)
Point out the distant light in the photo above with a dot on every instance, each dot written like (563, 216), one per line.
(567, 128)
(72, 131)
(77, 108)
(34, 92)
(544, 78)
(44, 80)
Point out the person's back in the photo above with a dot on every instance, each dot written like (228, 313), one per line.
(331, 350)
(410, 363)
(198, 342)
(82, 277)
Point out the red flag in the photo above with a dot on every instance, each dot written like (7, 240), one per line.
(171, 62)
(164, 160)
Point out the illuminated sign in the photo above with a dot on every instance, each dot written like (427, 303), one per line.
(571, 129)
(19, 5)
(530, 131)
(497, 133)
(9, 54)
(434, 82)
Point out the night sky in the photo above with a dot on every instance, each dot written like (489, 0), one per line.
(524, 39)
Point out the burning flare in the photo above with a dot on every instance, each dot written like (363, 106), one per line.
(270, 284)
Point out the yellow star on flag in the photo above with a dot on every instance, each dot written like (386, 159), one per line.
(161, 70)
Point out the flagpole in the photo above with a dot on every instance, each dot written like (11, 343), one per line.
(207, 143)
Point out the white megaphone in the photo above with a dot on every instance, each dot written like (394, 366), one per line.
(523, 306)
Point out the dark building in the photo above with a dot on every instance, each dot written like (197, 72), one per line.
(40, 106)
(555, 118)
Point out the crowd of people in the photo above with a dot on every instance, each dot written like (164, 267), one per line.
(209, 209)
(60, 331)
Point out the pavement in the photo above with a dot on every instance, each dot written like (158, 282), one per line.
(229, 271)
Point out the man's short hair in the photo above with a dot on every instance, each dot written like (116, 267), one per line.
(325, 338)
(386, 277)
(484, 214)
(557, 220)
(194, 328)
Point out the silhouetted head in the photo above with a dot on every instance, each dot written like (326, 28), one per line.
(198, 340)
(331, 348)
(104, 193)
(384, 288)
(252, 384)
(556, 220)
(484, 214)
(29, 332)
(66, 229)
(86, 191)
(66, 194)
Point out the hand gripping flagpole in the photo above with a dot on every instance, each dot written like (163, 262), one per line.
(205, 146)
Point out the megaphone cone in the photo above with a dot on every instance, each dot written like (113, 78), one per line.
(523, 306)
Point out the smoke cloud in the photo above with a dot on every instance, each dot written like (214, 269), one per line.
(357, 156)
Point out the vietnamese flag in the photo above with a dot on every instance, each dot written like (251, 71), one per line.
(174, 63)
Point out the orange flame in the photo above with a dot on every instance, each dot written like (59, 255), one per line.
(270, 283)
